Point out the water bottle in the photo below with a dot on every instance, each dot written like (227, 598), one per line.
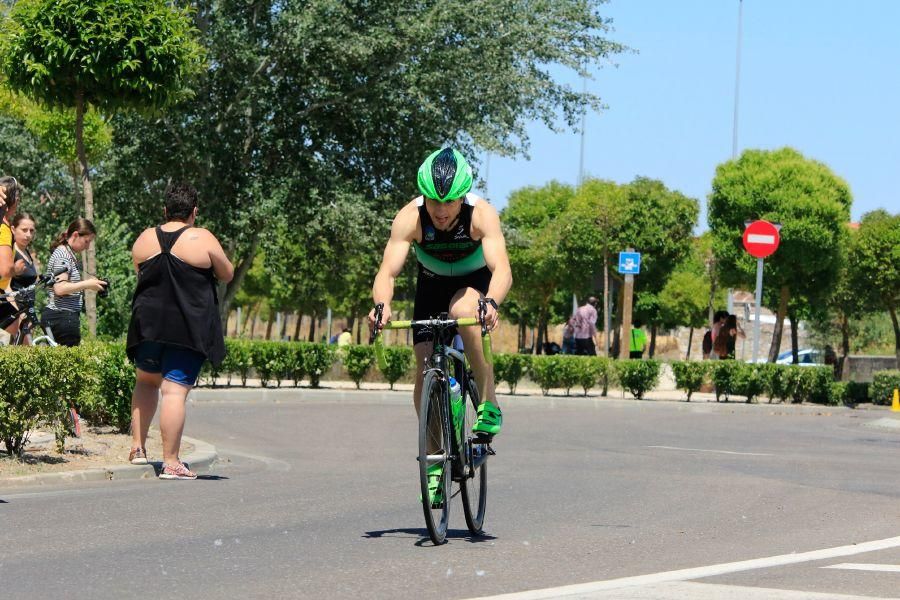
(456, 409)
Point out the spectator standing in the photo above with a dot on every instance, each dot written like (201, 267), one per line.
(638, 340)
(345, 337)
(586, 327)
(63, 313)
(175, 324)
(725, 340)
(9, 266)
(568, 345)
(26, 270)
(710, 337)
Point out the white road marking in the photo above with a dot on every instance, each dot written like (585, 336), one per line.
(713, 451)
(687, 590)
(866, 567)
(582, 590)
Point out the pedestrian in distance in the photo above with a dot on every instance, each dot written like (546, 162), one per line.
(710, 336)
(63, 313)
(638, 340)
(175, 324)
(568, 344)
(586, 327)
(726, 339)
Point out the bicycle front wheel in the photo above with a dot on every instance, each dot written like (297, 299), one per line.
(474, 484)
(434, 457)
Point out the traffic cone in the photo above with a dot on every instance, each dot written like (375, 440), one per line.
(895, 405)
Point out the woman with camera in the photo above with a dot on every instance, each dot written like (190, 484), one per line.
(63, 313)
(175, 324)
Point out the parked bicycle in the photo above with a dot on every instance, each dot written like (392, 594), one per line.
(25, 300)
(448, 450)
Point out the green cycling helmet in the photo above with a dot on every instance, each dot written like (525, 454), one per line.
(445, 176)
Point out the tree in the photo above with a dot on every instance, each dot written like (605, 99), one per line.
(305, 100)
(683, 301)
(875, 264)
(531, 221)
(102, 53)
(811, 204)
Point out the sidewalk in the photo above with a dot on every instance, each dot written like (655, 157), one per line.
(198, 455)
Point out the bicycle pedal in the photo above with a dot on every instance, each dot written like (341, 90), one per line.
(482, 438)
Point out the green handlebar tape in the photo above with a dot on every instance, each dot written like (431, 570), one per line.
(467, 322)
(398, 325)
(486, 347)
(379, 352)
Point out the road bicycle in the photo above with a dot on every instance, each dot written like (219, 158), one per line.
(447, 444)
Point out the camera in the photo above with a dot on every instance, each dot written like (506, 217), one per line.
(105, 291)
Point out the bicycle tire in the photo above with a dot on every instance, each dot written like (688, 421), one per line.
(434, 441)
(474, 489)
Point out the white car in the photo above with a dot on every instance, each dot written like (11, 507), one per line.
(806, 357)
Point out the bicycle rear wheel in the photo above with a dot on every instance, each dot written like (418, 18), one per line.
(434, 453)
(474, 489)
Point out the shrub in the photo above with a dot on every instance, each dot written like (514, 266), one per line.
(30, 395)
(724, 376)
(265, 360)
(295, 364)
(510, 368)
(238, 359)
(781, 381)
(638, 376)
(317, 359)
(690, 375)
(113, 379)
(857, 392)
(815, 384)
(545, 372)
(569, 369)
(398, 361)
(749, 381)
(589, 370)
(837, 393)
(606, 375)
(358, 359)
(883, 385)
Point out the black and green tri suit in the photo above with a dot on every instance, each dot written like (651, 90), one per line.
(448, 262)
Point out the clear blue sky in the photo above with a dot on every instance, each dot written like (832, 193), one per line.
(818, 75)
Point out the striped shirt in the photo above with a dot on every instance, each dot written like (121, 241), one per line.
(63, 257)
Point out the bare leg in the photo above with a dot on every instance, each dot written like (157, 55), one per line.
(171, 419)
(465, 304)
(144, 400)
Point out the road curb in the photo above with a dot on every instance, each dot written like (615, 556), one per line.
(201, 459)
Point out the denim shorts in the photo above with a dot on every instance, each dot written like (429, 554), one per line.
(176, 364)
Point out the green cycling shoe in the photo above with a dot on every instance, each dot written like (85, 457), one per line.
(489, 421)
(435, 487)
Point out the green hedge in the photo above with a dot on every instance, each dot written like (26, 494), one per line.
(883, 385)
(357, 360)
(638, 376)
(510, 369)
(40, 384)
(399, 362)
(690, 375)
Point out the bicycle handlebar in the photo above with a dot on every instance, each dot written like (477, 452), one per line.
(377, 339)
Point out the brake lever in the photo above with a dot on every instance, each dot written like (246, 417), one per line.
(482, 313)
(379, 309)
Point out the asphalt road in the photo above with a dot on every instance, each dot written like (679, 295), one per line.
(316, 496)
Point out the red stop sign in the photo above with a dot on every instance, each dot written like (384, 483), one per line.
(761, 239)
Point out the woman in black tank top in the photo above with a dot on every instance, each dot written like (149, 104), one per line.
(23, 228)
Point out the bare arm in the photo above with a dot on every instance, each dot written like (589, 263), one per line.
(403, 232)
(222, 267)
(64, 287)
(495, 256)
(6, 262)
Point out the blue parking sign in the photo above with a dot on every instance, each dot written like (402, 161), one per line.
(630, 263)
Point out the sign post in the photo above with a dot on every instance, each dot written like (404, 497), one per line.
(761, 239)
(629, 265)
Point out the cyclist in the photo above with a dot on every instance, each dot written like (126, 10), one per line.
(462, 258)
